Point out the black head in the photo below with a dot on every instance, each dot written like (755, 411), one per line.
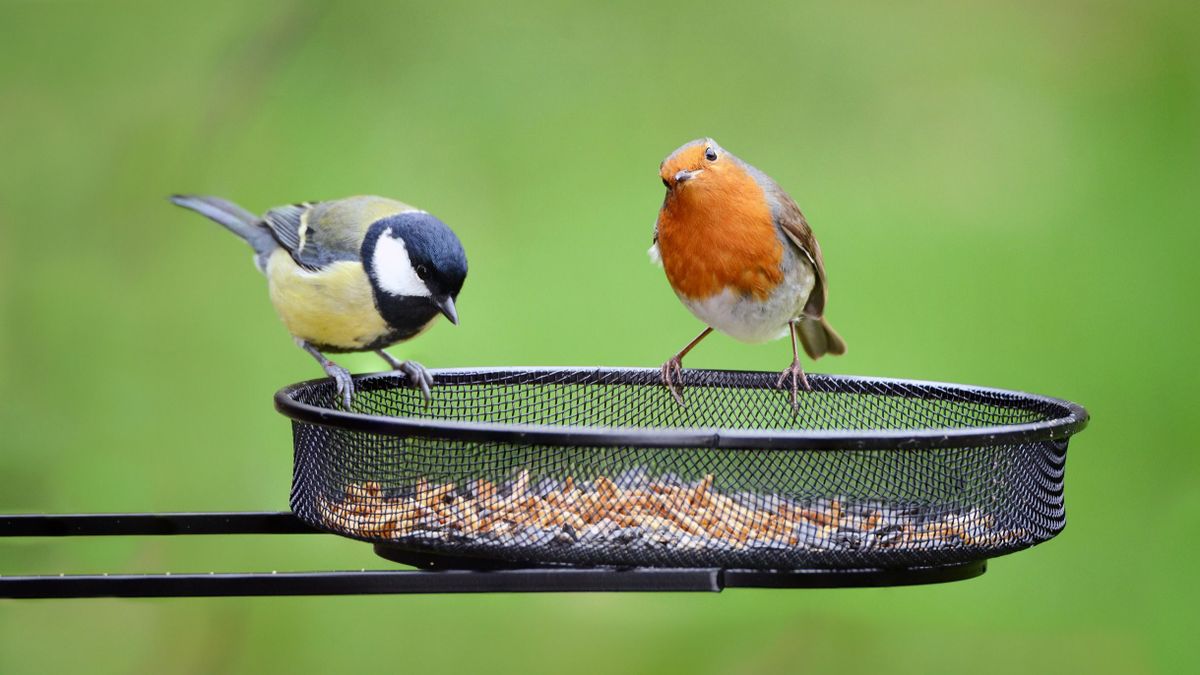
(417, 267)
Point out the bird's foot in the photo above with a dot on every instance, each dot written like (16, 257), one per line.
(418, 376)
(673, 369)
(345, 383)
(798, 379)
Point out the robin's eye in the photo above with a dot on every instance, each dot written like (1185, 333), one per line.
(710, 154)
(422, 271)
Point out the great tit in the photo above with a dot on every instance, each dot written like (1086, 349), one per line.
(351, 275)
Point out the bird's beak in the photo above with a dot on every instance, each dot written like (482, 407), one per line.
(446, 304)
(685, 175)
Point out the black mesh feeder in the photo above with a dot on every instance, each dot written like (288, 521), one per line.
(601, 468)
(540, 480)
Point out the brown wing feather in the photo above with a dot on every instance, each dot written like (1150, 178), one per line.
(792, 222)
(818, 338)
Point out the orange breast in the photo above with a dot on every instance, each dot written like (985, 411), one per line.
(717, 232)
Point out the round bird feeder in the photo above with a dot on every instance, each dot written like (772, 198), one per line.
(597, 480)
(570, 468)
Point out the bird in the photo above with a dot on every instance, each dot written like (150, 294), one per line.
(349, 275)
(741, 257)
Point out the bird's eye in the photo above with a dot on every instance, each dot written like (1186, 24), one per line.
(666, 183)
(710, 154)
(422, 271)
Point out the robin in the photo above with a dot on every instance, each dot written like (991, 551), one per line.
(740, 255)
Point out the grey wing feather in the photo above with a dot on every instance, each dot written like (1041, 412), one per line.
(285, 223)
(290, 226)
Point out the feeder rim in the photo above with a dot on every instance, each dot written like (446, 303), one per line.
(1059, 429)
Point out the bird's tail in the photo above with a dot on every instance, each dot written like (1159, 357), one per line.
(235, 219)
(819, 338)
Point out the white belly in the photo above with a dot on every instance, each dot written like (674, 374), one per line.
(752, 320)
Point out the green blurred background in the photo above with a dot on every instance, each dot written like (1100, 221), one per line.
(1006, 195)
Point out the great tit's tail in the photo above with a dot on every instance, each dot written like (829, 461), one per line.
(235, 219)
(819, 338)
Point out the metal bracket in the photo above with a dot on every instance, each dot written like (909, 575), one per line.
(366, 582)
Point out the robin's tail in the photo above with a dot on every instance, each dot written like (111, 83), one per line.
(819, 338)
(235, 219)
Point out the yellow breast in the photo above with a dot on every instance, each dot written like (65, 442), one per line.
(333, 307)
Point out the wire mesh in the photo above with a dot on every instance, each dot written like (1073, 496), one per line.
(600, 467)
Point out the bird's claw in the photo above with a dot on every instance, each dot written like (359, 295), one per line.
(419, 377)
(673, 367)
(798, 378)
(345, 383)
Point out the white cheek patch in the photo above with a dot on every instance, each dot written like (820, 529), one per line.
(393, 270)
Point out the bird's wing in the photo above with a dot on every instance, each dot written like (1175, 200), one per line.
(792, 222)
(290, 226)
(319, 233)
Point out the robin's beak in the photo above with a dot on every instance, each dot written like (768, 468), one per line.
(445, 303)
(685, 175)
